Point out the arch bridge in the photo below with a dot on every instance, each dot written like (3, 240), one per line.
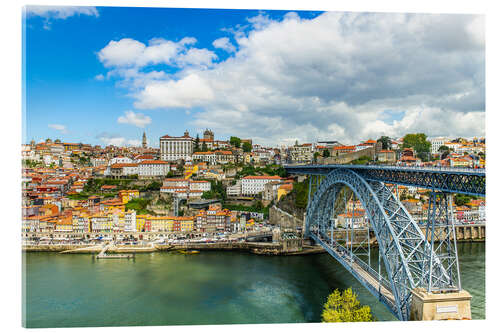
(411, 258)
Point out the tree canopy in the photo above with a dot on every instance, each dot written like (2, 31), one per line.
(386, 142)
(247, 147)
(418, 142)
(345, 307)
(197, 143)
(235, 141)
(326, 153)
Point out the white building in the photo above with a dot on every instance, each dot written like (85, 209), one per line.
(100, 161)
(205, 156)
(234, 190)
(184, 187)
(120, 160)
(130, 221)
(176, 148)
(199, 185)
(153, 168)
(436, 143)
(251, 185)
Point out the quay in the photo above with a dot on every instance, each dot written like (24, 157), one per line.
(103, 255)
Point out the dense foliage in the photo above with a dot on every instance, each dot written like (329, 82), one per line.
(419, 143)
(32, 164)
(270, 170)
(217, 191)
(247, 147)
(345, 307)
(463, 199)
(362, 160)
(235, 141)
(386, 142)
(139, 205)
(300, 191)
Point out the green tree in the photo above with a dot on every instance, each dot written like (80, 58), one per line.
(444, 150)
(462, 199)
(326, 153)
(197, 143)
(235, 141)
(362, 160)
(315, 156)
(386, 142)
(204, 147)
(345, 307)
(418, 142)
(247, 147)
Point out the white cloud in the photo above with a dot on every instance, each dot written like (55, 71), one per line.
(128, 52)
(331, 77)
(60, 12)
(225, 44)
(58, 127)
(187, 92)
(99, 77)
(136, 119)
(116, 140)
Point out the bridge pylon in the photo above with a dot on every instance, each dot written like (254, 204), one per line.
(441, 295)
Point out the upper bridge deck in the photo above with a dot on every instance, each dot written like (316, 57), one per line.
(455, 180)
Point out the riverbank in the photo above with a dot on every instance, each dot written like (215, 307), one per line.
(251, 247)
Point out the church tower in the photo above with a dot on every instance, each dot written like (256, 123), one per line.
(144, 140)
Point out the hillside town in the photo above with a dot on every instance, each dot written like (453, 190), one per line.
(206, 189)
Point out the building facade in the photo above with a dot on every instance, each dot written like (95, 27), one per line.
(176, 148)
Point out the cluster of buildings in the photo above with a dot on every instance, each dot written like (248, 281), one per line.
(110, 216)
(462, 152)
(55, 170)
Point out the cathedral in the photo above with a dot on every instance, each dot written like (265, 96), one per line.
(208, 135)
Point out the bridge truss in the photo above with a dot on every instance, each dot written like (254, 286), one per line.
(408, 257)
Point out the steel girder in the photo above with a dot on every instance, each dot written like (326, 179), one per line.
(464, 181)
(402, 244)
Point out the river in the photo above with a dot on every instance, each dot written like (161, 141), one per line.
(206, 288)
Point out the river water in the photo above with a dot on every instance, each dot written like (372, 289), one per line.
(207, 288)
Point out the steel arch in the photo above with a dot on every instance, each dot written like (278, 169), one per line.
(404, 248)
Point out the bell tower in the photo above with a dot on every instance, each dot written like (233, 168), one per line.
(144, 140)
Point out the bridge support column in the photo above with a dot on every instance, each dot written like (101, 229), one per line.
(440, 306)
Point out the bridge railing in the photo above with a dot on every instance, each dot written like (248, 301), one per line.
(348, 256)
(376, 290)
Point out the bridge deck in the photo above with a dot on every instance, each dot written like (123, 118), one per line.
(360, 270)
(452, 180)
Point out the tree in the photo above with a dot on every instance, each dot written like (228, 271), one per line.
(197, 143)
(345, 307)
(418, 142)
(247, 147)
(315, 156)
(326, 153)
(386, 142)
(235, 141)
(461, 199)
(204, 147)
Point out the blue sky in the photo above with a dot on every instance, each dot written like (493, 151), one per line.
(62, 63)
(103, 75)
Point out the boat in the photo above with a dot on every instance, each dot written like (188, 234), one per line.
(189, 251)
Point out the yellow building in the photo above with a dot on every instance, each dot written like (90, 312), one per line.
(140, 222)
(127, 195)
(187, 224)
(161, 223)
(284, 190)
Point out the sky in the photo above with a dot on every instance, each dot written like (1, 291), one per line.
(103, 75)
